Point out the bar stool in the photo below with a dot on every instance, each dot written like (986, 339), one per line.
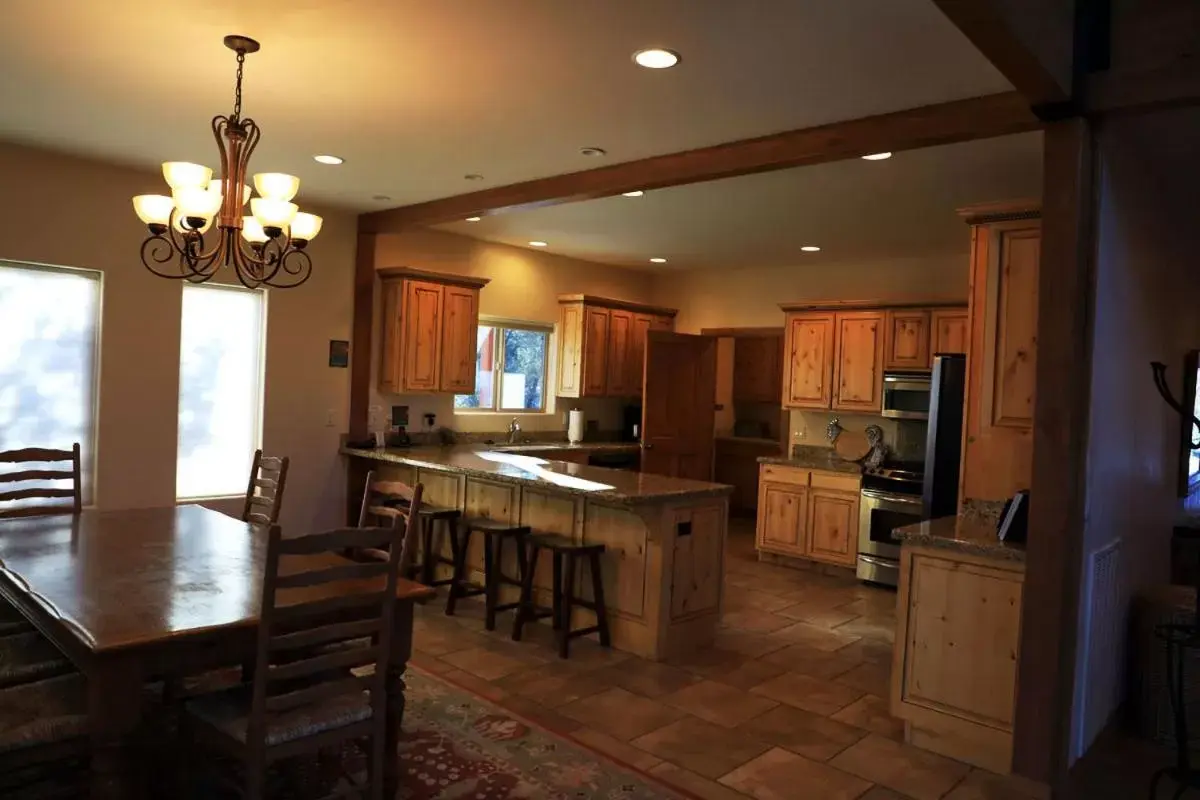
(430, 517)
(496, 533)
(567, 555)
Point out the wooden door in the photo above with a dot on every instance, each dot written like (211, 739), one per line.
(661, 322)
(460, 331)
(620, 347)
(391, 362)
(1001, 381)
(950, 331)
(595, 352)
(757, 368)
(422, 335)
(907, 342)
(858, 363)
(570, 349)
(782, 517)
(808, 370)
(678, 405)
(642, 325)
(832, 530)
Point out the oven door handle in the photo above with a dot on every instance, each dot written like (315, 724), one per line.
(892, 498)
(879, 562)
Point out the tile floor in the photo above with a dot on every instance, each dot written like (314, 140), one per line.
(790, 702)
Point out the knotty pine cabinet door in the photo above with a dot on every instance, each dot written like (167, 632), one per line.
(570, 350)
(832, 529)
(808, 368)
(595, 352)
(858, 362)
(620, 354)
(421, 318)
(782, 518)
(642, 325)
(950, 331)
(460, 331)
(391, 362)
(907, 340)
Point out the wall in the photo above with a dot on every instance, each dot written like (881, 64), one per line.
(1146, 287)
(60, 210)
(524, 285)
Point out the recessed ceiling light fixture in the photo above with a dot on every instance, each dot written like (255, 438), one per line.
(380, 197)
(536, 243)
(474, 219)
(328, 159)
(811, 248)
(473, 176)
(593, 152)
(637, 193)
(658, 261)
(656, 58)
(877, 157)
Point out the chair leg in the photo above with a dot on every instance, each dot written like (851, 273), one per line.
(493, 561)
(256, 778)
(556, 591)
(459, 544)
(427, 554)
(598, 597)
(525, 603)
(568, 591)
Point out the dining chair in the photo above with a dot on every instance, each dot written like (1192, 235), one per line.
(395, 504)
(43, 738)
(264, 493)
(302, 699)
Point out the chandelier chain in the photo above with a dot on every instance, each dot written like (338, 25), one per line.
(237, 92)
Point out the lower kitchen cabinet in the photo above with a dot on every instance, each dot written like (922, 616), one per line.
(782, 513)
(808, 514)
(833, 526)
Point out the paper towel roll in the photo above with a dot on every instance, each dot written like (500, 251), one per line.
(575, 425)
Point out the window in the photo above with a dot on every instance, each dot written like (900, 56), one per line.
(510, 369)
(220, 389)
(49, 320)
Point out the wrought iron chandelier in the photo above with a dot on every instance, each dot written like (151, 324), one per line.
(265, 248)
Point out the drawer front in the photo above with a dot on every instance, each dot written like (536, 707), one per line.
(838, 482)
(782, 474)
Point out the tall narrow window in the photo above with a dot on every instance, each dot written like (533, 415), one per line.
(48, 345)
(220, 389)
(510, 369)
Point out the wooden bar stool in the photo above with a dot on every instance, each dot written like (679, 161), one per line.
(496, 533)
(567, 555)
(426, 564)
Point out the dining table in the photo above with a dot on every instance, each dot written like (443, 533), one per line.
(141, 595)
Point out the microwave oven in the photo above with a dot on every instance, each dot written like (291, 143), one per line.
(906, 395)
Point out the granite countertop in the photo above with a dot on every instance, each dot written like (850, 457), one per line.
(616, 486)
(965, 534)
(814, 458)
(587, 447)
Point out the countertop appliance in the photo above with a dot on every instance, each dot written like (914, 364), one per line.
(906, 395)
(899, 494)
(631, 424)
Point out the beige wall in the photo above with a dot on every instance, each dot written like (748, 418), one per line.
(524, 285)
(72, 212)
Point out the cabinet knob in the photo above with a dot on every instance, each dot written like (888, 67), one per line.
(647, 446)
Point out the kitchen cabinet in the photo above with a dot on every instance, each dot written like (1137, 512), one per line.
(602, 345)
(907, 340)
(949, 329)
(429, 331)
(832, 526)
(782, 517)
(858, 365)
(810, 514)
(757, 368)
(808, 369)
(1001, 370)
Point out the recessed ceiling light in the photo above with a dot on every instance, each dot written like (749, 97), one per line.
(537, 244)
(877, 156)
(637, 193)
(328, 159)
(809, 248)
(658, 261)
(656, 58)
(474, 219)
(380, 197)
(593, 152)
(473, 176)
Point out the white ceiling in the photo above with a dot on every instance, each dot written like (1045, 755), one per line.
(853, 210)
(417, 93)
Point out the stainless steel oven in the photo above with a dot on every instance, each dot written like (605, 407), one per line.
(906, 395)
(881, 512)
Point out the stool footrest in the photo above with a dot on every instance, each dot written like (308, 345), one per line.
(575, 634)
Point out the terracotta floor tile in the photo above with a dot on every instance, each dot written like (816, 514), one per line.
(878, 628)
(719, 703)
(429, 663)
(694, 784)
(625, 753)
(704, 748)
(882, 793)
(737, 598)
(750, 644)
(872, 678)
(808, 693)
(440, 638)
(869, 650)
(781, 775)
(819, 615)
(648, 678)
(908, 770)
(745, 675)
(541, 715)
(804, 733)
(475, 684)
(754, 620)
(621, 714)
(983, 785)
(484, 663)
(871, 713)
(814, 637)
(707, 658)
(818, 663)
(552, 686)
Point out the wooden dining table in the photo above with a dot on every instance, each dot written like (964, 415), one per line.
(147, 594)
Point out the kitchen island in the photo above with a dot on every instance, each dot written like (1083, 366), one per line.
(664, 537)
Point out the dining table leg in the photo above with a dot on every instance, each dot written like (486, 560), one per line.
(402, 634)
(115, 699)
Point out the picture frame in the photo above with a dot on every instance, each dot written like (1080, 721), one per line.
(339, 353)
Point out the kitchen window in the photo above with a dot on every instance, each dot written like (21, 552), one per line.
(510, 368)
(221, 359)
(49, 326)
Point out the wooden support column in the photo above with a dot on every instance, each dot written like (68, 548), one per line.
(1066, 295)
(360, 335)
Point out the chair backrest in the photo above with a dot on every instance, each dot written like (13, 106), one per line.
(40, 477)
(392, 503)
(322, 619)
(264, 494)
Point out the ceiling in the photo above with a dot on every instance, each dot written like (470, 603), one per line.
(415, 94)
(853, 210)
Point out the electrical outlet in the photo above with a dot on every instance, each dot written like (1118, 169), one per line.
(331, 418)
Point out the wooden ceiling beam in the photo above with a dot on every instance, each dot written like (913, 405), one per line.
(1031, 42)
(928, 126)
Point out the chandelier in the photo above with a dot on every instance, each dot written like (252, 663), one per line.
(265, 248)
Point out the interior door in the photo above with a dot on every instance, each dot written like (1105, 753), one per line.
(679, 405)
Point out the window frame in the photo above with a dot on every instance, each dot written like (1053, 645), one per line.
(499, 325)
(260, 385)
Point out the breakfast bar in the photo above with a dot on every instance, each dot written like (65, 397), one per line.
(664, 537)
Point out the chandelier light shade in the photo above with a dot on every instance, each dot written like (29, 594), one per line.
(265, 248)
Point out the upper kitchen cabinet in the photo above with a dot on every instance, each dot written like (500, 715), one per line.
(757, 367)
(950, 330)
(808, 360)
(428, 332)
(858, 365)
(1001, 381)
(907, 339)
(602, 345)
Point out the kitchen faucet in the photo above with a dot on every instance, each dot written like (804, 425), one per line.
(513, 429)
